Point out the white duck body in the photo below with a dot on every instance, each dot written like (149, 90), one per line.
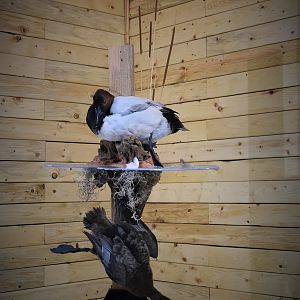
(134, 116)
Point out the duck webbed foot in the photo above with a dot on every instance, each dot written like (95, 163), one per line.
(154, 156)
(66, 248)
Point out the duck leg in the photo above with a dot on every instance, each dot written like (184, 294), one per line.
(153, 154)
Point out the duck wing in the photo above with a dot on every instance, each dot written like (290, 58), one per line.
(119, 263)
(148, 237)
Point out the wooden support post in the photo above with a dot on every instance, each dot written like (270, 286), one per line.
(121, 70)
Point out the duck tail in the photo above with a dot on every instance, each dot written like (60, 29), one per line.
(96, 217)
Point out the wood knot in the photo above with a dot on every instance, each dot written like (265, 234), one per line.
(54, 175)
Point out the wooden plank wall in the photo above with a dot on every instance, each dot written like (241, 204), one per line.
(234, 78)
(53, 56)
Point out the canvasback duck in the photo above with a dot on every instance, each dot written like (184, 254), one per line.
(114, 118)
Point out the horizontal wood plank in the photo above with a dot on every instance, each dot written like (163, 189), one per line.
(281, 215)
(232, 236)
(223, 64)
(46, 212)
(148, 7)
(82, 291)
(45, 89)
(247, 281)
(220, 294)
(114, 7)
(53, 50)
(65, 111)
(232, 149)
(221, 192)
(82, 36)
(12, 128)
(18, 107)
(229, 257)
(76, 73)
(14, 236)
(72, 272)
(66, 13)
(22, 150)
(279, 31)
(254, 125)
(224, 22)
(22, 24)
(20, 279)
(182, 291)
(170, 16)
(252, 103)
(71, 152)
(22, 193)
(243, 170)
(176, 213)
(33, 256)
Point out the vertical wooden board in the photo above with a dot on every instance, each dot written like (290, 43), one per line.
(45, 89)
(247, 281)
(121, 74)
(14, 236)
(252, 81)
(253, 103)
(219, 294)
(18, 107)
(81, 35)
(46, 130)
(34, 172)
(188, 51)
(221, 192)
(82, 291)
(76, 73)
(71, 152)
(22, 193)
(21, 24)
(66, 13)
(45, 213)
(46, 49)
(114, 7)
(171, 16)
(176, 213)
(64, 111)
(22, 66)
(231, 149)
(182, 291)
(72, 272)
(279, 31)
(70, 192)
(28, 278)
(33, 256)
(232, 236)
(255, 125)
(22, 150)
(281, 215)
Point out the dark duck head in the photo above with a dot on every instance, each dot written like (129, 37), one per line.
(102, 102)
(123, 252)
